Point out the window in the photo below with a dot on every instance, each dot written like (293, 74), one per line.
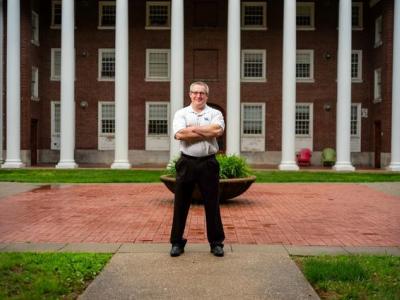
(253, 118)
(355, 119)
(55, 125)
(305, 16)
(253, 65)
(378, 32)
(35, 84)
(35, 29)
(254, 15)
(106, 65)
(157, 64)
(55, 64)
(377, 85)
(158, 15)
(56, 14)
(106, 118)
(305, 65)
(106, 15)
(356, 65)
(157, 118)
(157, 125)
(303, 119)
(357, 16)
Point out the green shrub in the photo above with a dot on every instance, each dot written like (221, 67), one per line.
(231, 166)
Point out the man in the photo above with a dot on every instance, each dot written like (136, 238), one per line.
(196, 127)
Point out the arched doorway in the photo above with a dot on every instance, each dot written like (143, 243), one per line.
(222, 139)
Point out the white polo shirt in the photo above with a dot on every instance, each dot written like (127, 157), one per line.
(186, 117)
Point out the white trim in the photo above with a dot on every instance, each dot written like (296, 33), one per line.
(254, 27)
(360, 25)
(158, 3)
(54, 136)
(101, 51)
(312, 16)
(53, 5)
(378, 31)
(358, 79)
(310, 120)
(157, 142)
(311, 78)
(253, 104)
(100, 14)
(148, 104)
(355, 139)
(158, 78)
(377, 85)
(100, 118)
(53, 76)
(35, 33)
(263, 78)
(35, 80)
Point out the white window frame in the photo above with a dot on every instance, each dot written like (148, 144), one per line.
(100, 118)
(259, 104)
(310, 120)
(100, 64)
(359, 66)
(35, 28)
(53, 76)
(55, 136)
(377, 85)
(263, 78)
(378, 32)
(311, 78)
(35, 83)
(101, 5)
(254, 27)
(355, 139)
(160, 3)
(359, 6)
(157, 142)
(157, 78)
(312, 16)
(53, 5)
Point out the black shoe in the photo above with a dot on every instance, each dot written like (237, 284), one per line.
(176, 250)
(217, 251)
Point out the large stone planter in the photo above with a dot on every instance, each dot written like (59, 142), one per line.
(228, 188)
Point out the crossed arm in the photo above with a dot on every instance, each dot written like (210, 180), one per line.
(199, 133)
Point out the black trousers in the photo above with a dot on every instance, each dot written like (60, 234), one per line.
(205, 172)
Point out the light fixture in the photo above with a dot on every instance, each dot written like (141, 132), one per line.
(327, 56)
(84, 104)
(327, 107)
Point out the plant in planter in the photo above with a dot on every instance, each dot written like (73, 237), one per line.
(235, 177)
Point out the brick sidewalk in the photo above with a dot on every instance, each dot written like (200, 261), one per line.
(290, 214)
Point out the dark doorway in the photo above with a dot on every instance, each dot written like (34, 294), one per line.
(378, 143)
(34, 143)
(222, 139)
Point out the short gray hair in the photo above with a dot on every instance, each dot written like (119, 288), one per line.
(203, 84)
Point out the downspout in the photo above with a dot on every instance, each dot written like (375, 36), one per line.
(1, 80)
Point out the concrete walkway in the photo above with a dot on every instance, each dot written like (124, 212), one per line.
(125, 219)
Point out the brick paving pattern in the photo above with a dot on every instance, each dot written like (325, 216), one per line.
(290, 214)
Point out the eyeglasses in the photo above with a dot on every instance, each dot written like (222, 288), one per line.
(198, 93)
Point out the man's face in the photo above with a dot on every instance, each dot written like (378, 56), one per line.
(199, 97)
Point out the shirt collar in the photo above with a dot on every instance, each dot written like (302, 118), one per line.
(206, 108)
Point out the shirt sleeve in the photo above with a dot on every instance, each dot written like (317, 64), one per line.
(218, 118)
(179, 122)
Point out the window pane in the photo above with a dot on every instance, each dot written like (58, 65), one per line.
(253, 65)
(253, 15)
(108, 15)
(354, 65)
(303, 17)
(355, 16)
(108, 65)
(158, 65)
(57, 119)
(354, 123)
(57, 14)
(158, 119)
(303, 65)
(107, 118)
(302, 119)
(158, 15)
(252, 119)
(57, 63)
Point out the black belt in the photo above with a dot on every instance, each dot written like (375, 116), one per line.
(199, 158)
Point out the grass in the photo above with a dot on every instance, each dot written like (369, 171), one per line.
(48, 275)
(353, 277)
(129, 176)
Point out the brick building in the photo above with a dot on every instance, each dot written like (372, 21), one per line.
(286, 74)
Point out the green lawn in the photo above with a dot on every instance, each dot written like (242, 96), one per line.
(48, 275)
(353, 277)
(128, 176)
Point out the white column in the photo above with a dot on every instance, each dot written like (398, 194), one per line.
(177, 67)
(395, 155)
(288, 162)
(13, 159)
(343, 113)
(67, 128)
(121, 160)
(1, 78)
(233, 79)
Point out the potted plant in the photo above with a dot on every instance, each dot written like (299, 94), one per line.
(235, 177)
